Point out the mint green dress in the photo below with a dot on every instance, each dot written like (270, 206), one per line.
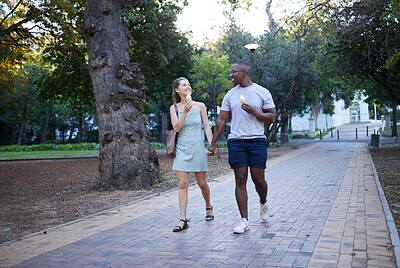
(190, 153)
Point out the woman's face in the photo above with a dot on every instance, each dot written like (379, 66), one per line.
(184, 87)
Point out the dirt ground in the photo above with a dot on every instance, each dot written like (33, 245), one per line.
(387, 163)
(38, 195)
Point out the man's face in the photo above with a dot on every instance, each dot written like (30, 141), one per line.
(237, 74)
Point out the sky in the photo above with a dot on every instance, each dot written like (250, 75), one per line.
(206, 20)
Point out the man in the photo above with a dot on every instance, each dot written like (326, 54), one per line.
(250, 106)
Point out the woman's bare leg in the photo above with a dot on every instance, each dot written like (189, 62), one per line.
(183, 181)
(205, 189)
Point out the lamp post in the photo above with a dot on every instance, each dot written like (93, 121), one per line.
(252, 48)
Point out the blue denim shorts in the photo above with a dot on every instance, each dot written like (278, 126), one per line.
(251, 153)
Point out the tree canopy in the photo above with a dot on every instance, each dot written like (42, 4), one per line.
(368, 39)
(328, 51)
(210, 73)
(162, 53)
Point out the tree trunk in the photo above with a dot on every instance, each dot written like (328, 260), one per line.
(394, 128)
(45, 125)
(274, 131)
(272, 24)
(3, 133)
(283, 132)
(21, 128)
(80, 129)
(71, 132)
(164, 127)
(127, 159)
(315, 110)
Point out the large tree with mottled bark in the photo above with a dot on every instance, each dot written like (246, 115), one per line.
(127, 159)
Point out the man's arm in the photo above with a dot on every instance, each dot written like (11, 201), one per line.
(219, 127)
(266, 116)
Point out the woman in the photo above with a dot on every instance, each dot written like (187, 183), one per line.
(188, 121)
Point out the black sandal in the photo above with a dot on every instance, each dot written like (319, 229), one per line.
(209, 217)
(179, 228)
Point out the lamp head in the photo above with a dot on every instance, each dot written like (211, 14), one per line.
(252, 47)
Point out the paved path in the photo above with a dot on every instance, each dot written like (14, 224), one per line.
(357, 132)
(325, 211)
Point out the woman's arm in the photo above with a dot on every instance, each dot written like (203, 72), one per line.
(204, 118)
(177, 123)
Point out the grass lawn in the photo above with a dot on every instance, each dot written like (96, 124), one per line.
(38, 154)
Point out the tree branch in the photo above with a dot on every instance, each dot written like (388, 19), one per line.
(296, 13)
(130, 3)
(274, 26)
(11, 12)
(14, 27)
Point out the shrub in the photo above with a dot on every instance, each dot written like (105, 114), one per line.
(51, 147)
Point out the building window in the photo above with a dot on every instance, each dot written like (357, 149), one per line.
(355, 115)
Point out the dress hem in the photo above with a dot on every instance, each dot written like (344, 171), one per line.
(190, 170)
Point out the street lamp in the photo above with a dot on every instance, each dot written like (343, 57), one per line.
(252, 48)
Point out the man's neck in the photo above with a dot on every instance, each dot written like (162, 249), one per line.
(246, 83)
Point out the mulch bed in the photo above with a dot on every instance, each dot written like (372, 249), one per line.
(387, 163)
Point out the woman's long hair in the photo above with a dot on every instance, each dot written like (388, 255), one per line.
(175, 96)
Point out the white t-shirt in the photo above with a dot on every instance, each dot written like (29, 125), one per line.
(244, 125)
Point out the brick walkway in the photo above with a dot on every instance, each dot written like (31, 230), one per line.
(325, 211)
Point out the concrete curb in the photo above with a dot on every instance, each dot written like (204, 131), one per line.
(394, 235)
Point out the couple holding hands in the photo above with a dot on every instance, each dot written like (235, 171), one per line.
(250, 106)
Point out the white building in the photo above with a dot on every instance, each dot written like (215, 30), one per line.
(357, 112)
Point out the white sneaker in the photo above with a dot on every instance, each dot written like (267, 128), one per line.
(242, 226)
(264, 211)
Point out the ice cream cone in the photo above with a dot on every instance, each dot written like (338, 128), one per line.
(242, 99)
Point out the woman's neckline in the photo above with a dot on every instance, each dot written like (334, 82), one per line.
(189, 111)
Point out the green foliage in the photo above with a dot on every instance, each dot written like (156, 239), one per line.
(71, 147)
(210, 73)
(67, 80)
(367, 44)
(15, 42)
(158, 146)
(233, 41)
(395, 16)
(24, 96)
(162, 53)
(58, 20)
(62, 75)
(86, 146)
(45, 154)
(50, 147)
(236, 4)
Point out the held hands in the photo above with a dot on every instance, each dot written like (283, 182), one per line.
(211, 150)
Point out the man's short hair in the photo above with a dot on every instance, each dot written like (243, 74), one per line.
(246, 66)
